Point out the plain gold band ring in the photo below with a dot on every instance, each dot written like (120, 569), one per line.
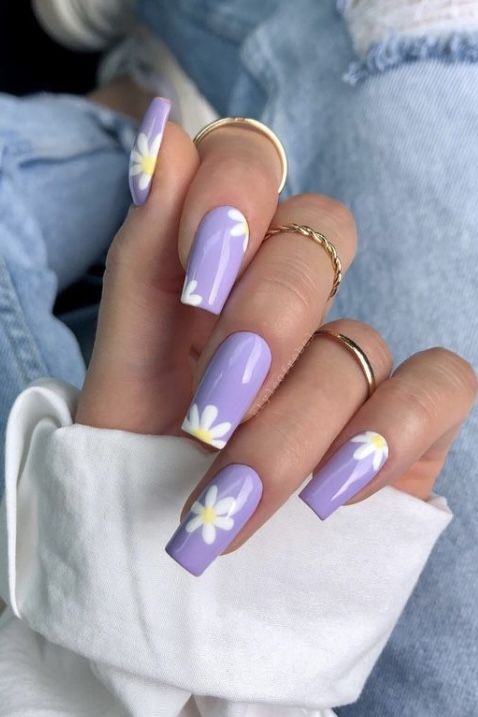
(359, 355)
(254, 125)
(322, 240)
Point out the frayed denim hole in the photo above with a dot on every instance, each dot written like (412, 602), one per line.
(396, 50)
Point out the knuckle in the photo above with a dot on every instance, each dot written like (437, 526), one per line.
(235, 167)
(453, 370)
(420, 404)
(294, 281)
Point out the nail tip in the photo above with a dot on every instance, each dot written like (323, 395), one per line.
(169, 551)
(201, 307)
(322, 515)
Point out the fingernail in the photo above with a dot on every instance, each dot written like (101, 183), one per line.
(144, 155)
(216, 257)
(228, 388)
(215, 518)
(348, 471)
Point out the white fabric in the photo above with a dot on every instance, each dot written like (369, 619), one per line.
(151, 65)
(372, 21)
(102, 622)
(84, 24)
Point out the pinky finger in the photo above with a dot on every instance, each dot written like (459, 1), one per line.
(400, 436)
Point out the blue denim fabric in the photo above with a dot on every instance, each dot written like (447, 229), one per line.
(394, 141)
(63, 193)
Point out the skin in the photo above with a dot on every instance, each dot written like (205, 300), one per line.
(151, 350)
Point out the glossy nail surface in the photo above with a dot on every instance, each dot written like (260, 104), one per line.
(144, 154)
(216, 257)
(228, 388)
(215, 518)
(348, 471)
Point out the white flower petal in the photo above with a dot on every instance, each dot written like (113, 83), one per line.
(135, 169)
(217, 443)
(361, 438)
(208, 533)
(224, 523)
(220, 429)
(363, 451)
(192, 299)
(144, 181)
(237, 230)
(193, 417)
(225, 506)
(142, 143)
(197, 507)
(136, 156)
(211, 496)
(194, 524)
(208, 417)
(155, 145)
(377, 460)
(235, 214)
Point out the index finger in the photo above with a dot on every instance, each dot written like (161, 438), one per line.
(227, 211)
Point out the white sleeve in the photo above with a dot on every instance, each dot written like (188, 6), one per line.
(297, 616)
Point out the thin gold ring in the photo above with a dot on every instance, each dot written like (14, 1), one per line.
(321, 239)
(359, 355)
(251, 124)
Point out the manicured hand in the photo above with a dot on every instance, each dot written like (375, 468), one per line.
(236, 363)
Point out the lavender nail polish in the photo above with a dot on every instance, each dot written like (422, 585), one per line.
(144, 154)
(228, 387)
(216, 257)
(215, 518)
(350, 469)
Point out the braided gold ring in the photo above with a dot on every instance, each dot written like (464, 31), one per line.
(359, 355)
(322, 240)
(254, 125)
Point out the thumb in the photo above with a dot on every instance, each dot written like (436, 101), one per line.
(139, 353)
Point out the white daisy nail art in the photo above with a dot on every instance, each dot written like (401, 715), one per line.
(143, 159)
(201, 425)
(371, 444)
(241, 228)
(188, 296)
(211, 514)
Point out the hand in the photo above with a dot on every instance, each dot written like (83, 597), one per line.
(304, 400)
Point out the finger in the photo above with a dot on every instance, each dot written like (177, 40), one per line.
(402, 433)
(272, 312)
(137, 341)
(281, 444)
(227, 211)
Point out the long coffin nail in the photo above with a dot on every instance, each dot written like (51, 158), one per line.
(215, 518)
(228, 388)
(348, 471)
(144, 154)
(216, 257)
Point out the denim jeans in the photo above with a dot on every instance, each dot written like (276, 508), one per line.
(392, 137)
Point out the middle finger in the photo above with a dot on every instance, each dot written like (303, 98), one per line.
(274, 309)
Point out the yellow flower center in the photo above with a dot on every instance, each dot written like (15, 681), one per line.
(208, 515)
(378, 442)
(148, 163)
(203, 434)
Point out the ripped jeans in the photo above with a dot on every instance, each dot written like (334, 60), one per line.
(385, 123)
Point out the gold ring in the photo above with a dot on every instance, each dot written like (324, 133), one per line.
(359, 355)
(321, 240)
(254, 125)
